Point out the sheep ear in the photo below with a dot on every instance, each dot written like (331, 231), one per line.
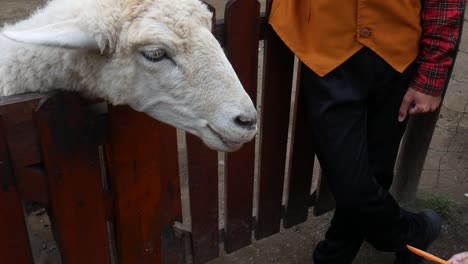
(65, 35)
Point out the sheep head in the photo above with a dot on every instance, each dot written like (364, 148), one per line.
(157, 56)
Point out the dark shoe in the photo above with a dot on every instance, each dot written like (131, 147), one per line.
(429, 229)
(337, 252)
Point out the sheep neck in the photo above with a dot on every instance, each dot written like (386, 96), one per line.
(28, 68)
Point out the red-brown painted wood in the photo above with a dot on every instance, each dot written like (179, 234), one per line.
(135, 169)
(302, 164)
(203, 189)
(32, 184)
(23, 141)
(14, 241)
(20, 129)
(71, 158)
(203, 193)
(171, 206)
(278, 69)
(242, 42)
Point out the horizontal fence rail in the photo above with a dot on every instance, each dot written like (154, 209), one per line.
(112, 180)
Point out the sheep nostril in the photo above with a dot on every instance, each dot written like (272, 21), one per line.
(246, 122)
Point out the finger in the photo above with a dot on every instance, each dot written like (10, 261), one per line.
(415, 109)
(458, 258)
(418, 109)
(462, 256)
(405, 105)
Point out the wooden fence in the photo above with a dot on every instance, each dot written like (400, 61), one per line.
(109, 176)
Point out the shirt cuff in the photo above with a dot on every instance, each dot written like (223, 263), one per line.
(430, 79)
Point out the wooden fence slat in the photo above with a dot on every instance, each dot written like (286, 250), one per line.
(135, 169)
(172, 247)
(242, 42)
(278, 72)
(23, 141)
(302, 165)
(32, 185)
(14, 241)
(203, 193)
(20, 129)
(412, 154)
(71, 157)
(416, 141)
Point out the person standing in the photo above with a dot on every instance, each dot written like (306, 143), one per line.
(367, 64)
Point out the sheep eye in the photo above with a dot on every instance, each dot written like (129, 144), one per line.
(154, 55)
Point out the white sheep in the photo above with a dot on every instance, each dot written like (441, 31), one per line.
(157, 56)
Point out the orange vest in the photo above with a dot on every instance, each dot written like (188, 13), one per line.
(325, 33)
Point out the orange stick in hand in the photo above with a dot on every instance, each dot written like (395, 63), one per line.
(426, 255)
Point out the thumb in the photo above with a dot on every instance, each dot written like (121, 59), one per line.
(404, 108)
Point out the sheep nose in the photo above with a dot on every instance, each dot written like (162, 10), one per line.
(246, 122)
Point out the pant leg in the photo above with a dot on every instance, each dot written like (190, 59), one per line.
(341, 243)
(384, 132)
(338, 108)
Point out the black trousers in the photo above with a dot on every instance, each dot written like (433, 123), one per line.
(353, 114)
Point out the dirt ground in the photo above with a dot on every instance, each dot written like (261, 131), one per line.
(443, 185)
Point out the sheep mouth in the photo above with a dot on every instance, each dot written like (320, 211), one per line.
(231, 144)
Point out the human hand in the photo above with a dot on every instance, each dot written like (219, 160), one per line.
(415, 102)
(460, 258)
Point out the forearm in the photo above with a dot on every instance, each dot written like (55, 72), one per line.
(441, 21)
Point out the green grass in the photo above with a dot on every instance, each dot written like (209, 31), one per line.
(439, 203)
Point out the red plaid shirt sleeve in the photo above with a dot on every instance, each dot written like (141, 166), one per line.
(441, 22)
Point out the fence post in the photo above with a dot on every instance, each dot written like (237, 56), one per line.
(14, 241)
(24, 146)
(412, 156)
(302, 163)
(135, 159)
(203, 194)
(276, 99)
(172, 248)
(242, 28)
(71, 155)
(415, 145)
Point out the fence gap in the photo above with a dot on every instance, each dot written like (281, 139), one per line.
(291, 128)
(183, 179)
(222, 167)
(256, 187)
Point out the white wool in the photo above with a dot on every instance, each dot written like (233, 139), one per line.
(95, 47)
(26, 67)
